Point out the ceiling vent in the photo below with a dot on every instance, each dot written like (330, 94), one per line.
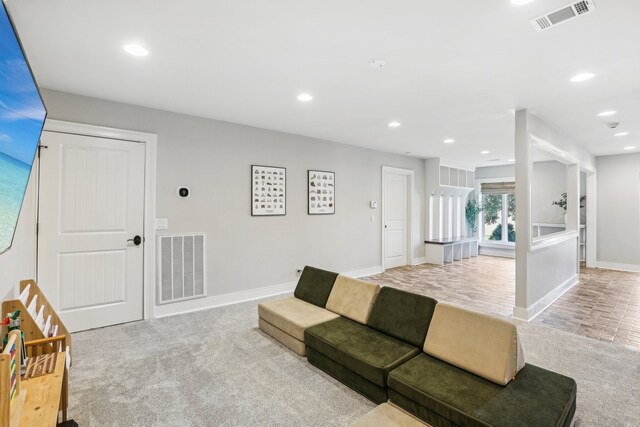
(564, 14)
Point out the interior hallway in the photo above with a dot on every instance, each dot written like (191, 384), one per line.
(604, 305)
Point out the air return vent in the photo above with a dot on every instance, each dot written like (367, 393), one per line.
(181, 267)
(563, 15)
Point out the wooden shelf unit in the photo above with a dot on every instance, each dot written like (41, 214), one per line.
(48, 394)
(11, 395)
(28, 325)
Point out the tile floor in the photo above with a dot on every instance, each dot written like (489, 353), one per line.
(605, 305)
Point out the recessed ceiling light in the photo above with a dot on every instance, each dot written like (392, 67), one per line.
(485, 152)
(305, 97)
(521, 2)
(621, 134)
(449, 141)
(394, 124)
(511, 160)
(631, 147)
(607, 113)
(135, 49)
(582, 77)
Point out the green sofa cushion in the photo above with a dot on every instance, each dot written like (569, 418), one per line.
(315, 286)
(536, 397)
(356, 382)
(363, 350)
(402, 314)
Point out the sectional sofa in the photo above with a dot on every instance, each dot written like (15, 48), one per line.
(443, 364)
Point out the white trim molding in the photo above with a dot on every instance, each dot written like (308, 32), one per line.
(418, 261)
(190, 306)
(634, 268)
(224, 299)
(151, 147)
(364, 272)
(412, 211)
(530, 313)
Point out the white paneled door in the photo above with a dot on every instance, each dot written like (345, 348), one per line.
(395, 205)
(91, 217)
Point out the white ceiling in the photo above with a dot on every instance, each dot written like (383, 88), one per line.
(455, 68)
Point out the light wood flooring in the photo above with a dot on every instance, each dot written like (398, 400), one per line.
(604, 305)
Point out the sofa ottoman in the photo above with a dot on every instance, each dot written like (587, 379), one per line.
(387, 415)
(286, 319)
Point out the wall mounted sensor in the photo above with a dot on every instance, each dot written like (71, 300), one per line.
(184, 192)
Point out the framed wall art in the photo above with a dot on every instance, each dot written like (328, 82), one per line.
(321, 192)
(268, 191)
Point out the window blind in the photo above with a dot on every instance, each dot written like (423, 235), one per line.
(497, 187)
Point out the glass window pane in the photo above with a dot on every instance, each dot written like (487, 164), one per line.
(492, 209)
(511, 219)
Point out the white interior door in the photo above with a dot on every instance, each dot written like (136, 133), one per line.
(395, 219)
(91, 203)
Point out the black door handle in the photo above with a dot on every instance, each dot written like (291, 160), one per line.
(136, 240)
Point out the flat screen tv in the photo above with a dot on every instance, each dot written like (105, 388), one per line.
(22, 115)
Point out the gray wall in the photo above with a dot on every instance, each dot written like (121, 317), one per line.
(549, 182)
(619, 210)
(213, 158)
(19, 263)
(502, 171)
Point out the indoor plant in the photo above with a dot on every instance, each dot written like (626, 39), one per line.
(471, 212)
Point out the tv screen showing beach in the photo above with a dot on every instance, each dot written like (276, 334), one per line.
(22, 115)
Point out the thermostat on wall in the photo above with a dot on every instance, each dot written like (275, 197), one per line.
(184, 192)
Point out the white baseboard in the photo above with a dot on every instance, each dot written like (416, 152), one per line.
(244, 296)
(498, 252)
(418, 261)
(224, 299)
(528, 314)
(618, 266)
(363, 272)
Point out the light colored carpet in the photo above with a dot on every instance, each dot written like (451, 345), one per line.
(215, 368)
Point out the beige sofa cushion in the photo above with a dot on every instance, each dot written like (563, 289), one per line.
(485, 345)
(282, 337)
(352, 298)
(388, 415)
(293, 315)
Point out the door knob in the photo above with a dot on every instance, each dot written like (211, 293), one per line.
(136, 240)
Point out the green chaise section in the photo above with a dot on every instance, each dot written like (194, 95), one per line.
(444, 395)
(286, 319)
(473, 373)
(362, 355)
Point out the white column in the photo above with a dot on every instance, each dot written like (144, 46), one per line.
(523, 210)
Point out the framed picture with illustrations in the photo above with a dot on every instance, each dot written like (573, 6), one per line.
(268, 191)
(321, 193)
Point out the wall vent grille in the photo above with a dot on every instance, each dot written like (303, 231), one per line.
(564, 14)
(181, 267)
